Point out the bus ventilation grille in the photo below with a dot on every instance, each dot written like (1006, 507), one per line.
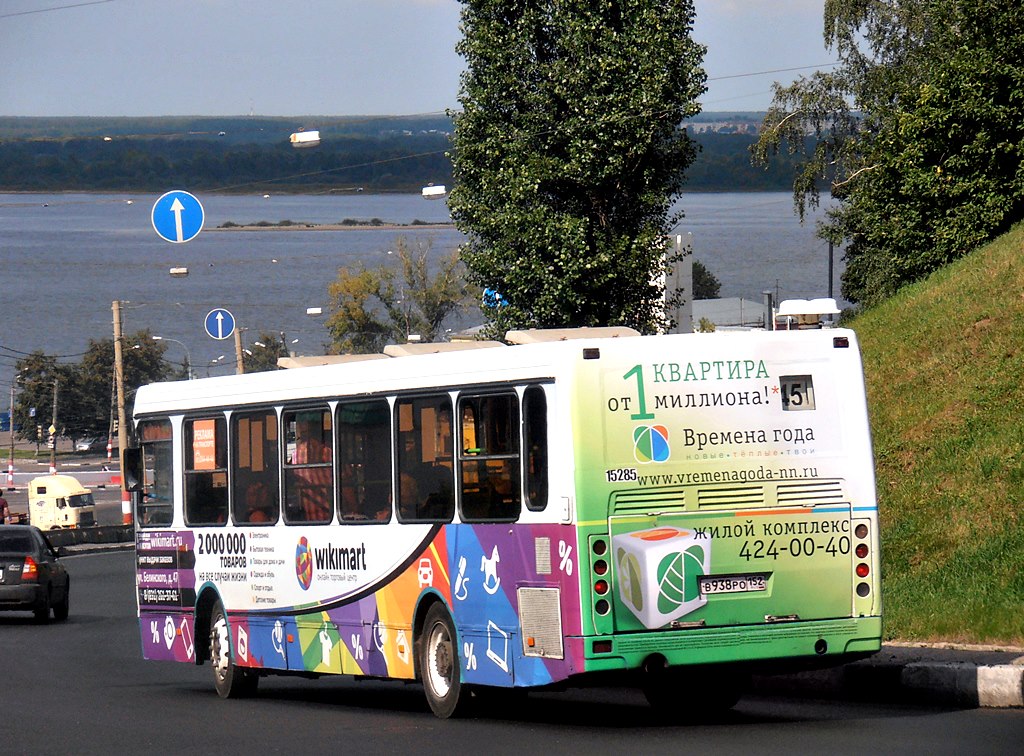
(661, 500)
(541, 621)
(811, 493)
(731, 496)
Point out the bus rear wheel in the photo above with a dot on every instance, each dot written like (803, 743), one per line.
(439, 663)
(230, 680)
(683, 693)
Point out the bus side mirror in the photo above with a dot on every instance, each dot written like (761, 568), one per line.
(132, 469)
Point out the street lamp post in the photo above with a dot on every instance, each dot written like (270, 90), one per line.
(188, 355)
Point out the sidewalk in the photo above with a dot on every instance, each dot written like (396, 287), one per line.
(946, 674)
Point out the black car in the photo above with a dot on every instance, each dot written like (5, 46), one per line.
(31, 575)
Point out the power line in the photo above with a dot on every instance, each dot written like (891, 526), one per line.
(54, 8)
(772, 71)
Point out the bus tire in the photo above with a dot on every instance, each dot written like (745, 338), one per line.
(230, 680)
(684, 694)
(440, 667)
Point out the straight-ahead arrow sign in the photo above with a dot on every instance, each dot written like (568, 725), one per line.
(177, 217)
(219, 324)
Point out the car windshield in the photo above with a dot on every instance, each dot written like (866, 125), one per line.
(15, 543)
(81, 500)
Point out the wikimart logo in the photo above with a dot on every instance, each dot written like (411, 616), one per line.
(304, 563)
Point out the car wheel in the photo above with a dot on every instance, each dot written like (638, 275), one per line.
(231, 681)
(42, 610)
(60, 610)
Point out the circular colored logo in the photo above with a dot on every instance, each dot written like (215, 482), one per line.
(303, 563)
(650, 444)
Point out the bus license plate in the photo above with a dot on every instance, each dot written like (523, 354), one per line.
(732, 584)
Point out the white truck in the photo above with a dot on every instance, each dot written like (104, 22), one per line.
(60, 501)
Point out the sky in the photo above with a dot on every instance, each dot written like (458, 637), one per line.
(323, 57)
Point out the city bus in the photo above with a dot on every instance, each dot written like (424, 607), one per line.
(674, 512)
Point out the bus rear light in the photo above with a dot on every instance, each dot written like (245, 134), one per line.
(602, 607)
(29, 570)
(601, 567)
(863, 589)
(862, 550)
(861, 531)
(862, 570)
(602, 647)
(841, 342)
(600, 547)
(601, 587)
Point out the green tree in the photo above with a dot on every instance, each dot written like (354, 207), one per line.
(264, 353)
(84, 389)
(920, 130)
(705, 284)
(33, 410)
(371, 308)
(567, 153)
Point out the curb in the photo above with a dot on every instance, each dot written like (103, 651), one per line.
(965, 684)
(887, 677)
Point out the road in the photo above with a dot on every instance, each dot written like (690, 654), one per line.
(82, 687)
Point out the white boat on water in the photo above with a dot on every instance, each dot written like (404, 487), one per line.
(305, 139)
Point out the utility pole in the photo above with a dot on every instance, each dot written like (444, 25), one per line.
(830, 268)
(239, 364)
(122, 421)
(53, 431)
(10, 464)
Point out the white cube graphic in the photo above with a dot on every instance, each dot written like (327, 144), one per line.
(658, 571)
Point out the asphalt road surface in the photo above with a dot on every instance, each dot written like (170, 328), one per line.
(82, 687)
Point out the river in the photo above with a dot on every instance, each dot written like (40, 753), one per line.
(64, 258)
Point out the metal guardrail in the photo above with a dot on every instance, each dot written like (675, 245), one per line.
(96, 534)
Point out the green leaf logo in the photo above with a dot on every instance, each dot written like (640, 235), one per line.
(677, 578)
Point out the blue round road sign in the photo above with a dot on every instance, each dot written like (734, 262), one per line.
(219, 323)
(177, 217)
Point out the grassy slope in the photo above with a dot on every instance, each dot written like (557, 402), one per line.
(944, 364)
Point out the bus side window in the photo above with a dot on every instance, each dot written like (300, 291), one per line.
(254, 489)
(535, 435)
(206, 472)
(425, 477)
(156, 504)
(309, 466)
(364, 449)
(489, 458)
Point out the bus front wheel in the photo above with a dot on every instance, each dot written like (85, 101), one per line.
(440, 667)
(231, 681)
